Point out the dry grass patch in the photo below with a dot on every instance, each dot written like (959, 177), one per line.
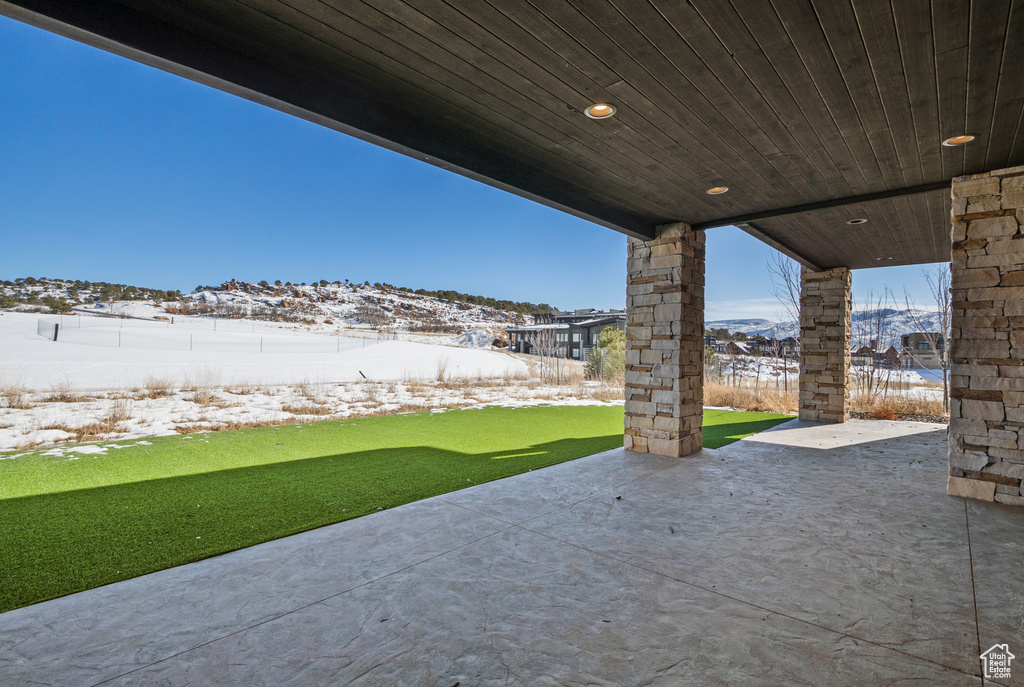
(308, 409)
(894, 406)
(417, 387)
(227, 425)
(203, 397)
(156, 387)
(125, 395)
(442, 375)
(15, 396)
(406, 408)
(371, 393)
(63, 392)
(315, 392)
(761, 400)
(243, 389)
(608, 392)
(119, 412)
(93, 430)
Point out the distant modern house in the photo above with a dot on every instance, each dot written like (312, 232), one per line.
(564, 335)
(923, 350)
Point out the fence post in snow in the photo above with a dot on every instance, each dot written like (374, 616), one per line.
(56, 330)
(261, 344)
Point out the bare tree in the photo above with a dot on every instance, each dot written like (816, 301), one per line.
(784, 274)
(873, 327)
(547, 345)
(939, 282)
(776, 349)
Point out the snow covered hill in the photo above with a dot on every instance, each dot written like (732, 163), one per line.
(316, 305)
(895, 322)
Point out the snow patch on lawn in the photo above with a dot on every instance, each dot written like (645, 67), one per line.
(90, 449)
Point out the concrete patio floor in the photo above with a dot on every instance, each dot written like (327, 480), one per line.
(806, 555)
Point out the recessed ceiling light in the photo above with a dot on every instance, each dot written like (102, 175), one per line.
(600, 111)
(958, 140)
(885, 258)
(716, 190)
(859, 220)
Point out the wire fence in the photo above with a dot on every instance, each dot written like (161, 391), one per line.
(48, 329)
(167, 336)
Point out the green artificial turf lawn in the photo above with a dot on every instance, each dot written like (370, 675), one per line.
(723, 427)
(76, 521)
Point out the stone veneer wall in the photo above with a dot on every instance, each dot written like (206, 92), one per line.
(986, 460)
(825, 311)
(665, 342)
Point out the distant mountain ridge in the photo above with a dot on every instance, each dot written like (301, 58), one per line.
(323, 303)
(897, 322)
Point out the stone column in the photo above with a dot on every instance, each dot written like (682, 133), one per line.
(665, 342)
(986, 412)
(825, 309)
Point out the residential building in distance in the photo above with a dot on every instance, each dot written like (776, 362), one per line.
(787, 348)
(872, 355)
(923, 350)
(564, 335)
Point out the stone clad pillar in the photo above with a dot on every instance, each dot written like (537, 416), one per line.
(665, 342)
(825, 313)
(986, 411)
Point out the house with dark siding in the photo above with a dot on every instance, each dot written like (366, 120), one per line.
(564, 335)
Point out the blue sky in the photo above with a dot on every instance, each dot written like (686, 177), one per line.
(113, 171)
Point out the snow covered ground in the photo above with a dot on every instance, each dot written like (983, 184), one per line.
(46, 419)
(83, 387)
(768, 369)
(88, 358)
(772, 372)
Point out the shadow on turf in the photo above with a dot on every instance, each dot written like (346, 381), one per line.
(717, 436)
(57, 544)
(60, 543)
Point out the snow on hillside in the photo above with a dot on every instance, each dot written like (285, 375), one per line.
(350, 304)
(317, 306)
(898, 322)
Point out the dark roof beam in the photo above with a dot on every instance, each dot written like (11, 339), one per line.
(765, 237)
(838, 202)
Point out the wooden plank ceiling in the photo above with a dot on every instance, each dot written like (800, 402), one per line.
(812, 112)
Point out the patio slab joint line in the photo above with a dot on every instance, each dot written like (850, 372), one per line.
(753, 605)
(300, 608)
(974, 589)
